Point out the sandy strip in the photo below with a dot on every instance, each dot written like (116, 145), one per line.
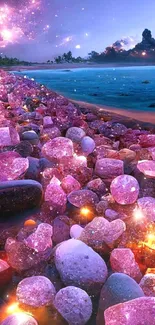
(136, 115)
(69, 66)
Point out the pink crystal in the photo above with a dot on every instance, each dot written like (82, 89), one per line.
(8, 137)
(138, 311)
(147, 284)
(40, 240)
(47, 121)
(72, 164)
(97, 186)
(147, 167)
(56, 197)
(147, 140)
(122, 260)
(58, 148)
(82, 198)
(125, 189)
(70, 184)
(51, 133)
(36, 291)
(21, 257)
(100, 231)
(3, 265)
(12, 166)
(48, 174)
(147, 207)
(108, 168)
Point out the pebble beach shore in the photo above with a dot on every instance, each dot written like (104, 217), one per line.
(77, 211)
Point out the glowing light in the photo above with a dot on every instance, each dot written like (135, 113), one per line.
(78, 46)
(13, 308)
(29, 222)
(150, 270)
(138, 214)
(65, 40)
(6, 34)
(85, 212)
(143, 53)
(150, 241)
(11, 18)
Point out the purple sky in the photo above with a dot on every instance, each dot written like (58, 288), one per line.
(38, 30)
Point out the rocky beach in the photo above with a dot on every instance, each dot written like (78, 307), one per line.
(77, 211)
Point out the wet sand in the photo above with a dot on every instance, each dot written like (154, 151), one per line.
(136, 115)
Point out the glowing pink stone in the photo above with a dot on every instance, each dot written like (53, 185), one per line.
(82, 198)
(12, 166)
(56, 197)
(8, 137)
(147, 167)
(109, 168)
(138, 311)
(125, 189)
(122, 260)
(47, 121)
(36, 291)
(147, 140)
(69, 184)
(147, 284)
(40, 240)
(58, 148)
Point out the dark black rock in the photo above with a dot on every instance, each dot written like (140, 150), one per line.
(145, 82)
(24, 148)
(45, 163)
(118, 288)
(34, 169)
(30, 136)
(152, 105)
(18, 196)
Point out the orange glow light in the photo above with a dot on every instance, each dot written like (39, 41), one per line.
(85, 212)
(13, 308)
(29, 222)
(150, 241)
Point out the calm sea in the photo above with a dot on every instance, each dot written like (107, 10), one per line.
(130, 88)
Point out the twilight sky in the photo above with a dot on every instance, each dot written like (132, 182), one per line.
(38, 30)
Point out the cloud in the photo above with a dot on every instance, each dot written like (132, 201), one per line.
(125, 43)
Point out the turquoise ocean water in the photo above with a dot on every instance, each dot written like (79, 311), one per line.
(131, 88)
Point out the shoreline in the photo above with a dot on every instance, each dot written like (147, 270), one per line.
(70, 66)
(147, 117)
(117, 113)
